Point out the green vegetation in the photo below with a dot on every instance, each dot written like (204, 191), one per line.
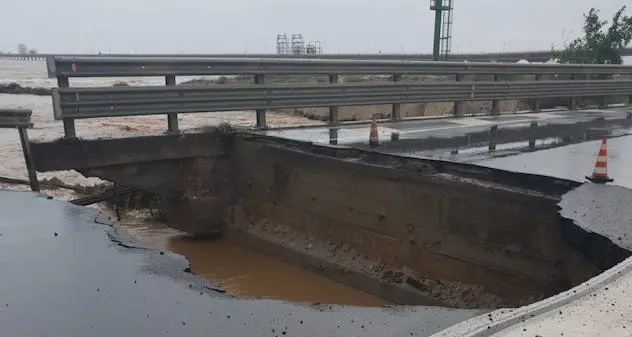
(600, 44)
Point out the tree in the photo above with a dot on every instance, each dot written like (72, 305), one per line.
(599, 45)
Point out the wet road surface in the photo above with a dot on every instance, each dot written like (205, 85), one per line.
(573, 161)
(63, 274)
(420, 129)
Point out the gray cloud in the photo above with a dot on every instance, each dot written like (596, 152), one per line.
(214, 26)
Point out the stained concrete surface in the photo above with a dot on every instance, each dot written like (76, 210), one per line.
(67, 272)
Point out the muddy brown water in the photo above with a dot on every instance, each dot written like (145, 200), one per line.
(245, 273)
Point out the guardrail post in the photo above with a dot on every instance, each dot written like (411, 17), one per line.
(533, 125)
(493, 134)
(536, 101)
(333, 110)
(396, 113)
(458, 106)
(261, 113)
(603, 100)
(496, 103)
(28, 158)
(333, 136)
(572, 101)
(172, 117)
(69, 123)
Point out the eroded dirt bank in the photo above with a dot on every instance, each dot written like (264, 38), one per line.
(459, 235)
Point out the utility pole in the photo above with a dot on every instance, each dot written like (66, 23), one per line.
(443, 28)
(437, 6)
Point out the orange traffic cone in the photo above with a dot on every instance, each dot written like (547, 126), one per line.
(374, 139)
(600, 174)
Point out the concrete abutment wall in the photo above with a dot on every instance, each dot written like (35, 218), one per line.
(445, 226)
(445, 221)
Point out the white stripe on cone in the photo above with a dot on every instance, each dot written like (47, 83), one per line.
(600, 170)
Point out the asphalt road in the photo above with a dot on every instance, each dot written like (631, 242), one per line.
(422, 129)
(573, 161)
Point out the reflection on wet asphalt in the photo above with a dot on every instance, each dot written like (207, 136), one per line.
(63, 276)
(572, 161)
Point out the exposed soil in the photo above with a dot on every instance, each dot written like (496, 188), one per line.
(15, 89)
(357, 113)
(452, 294)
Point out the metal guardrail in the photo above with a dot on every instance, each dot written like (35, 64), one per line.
(15, 118)
(155, 66)
(21, 119)
(111, 102)
(73, 103)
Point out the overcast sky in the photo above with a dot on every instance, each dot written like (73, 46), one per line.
(224, 26)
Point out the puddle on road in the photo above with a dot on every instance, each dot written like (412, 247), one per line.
(246, 273)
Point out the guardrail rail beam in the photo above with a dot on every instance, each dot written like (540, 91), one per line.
(73, 103)
(21, 120)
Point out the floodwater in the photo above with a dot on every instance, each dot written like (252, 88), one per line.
(240, 271)
(245, 273)
(33, 74)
